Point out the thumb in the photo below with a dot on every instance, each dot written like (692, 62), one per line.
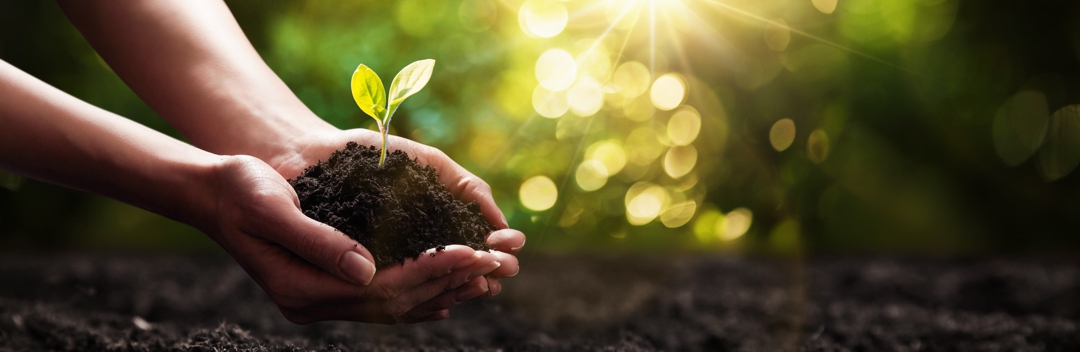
(321, 245)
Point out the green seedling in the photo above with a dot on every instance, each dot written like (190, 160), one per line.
(367, 90)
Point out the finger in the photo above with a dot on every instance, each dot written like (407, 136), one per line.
(316, 242)
(426, 267)
(469, 188)
(426, 311)
(494, 286)
(389, 312)
(460, 182)
(440, 315)
(409, 299)
(473, 289)
(507, 241)
(509, 265)
(292, 281)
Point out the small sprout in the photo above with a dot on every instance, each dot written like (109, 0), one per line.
(367, 90)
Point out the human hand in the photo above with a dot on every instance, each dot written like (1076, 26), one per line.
(308, 148)
(314, 273)
(212, 86)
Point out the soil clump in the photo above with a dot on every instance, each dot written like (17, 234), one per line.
(396, 211)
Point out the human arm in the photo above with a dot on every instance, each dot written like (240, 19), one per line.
(190, 61)
(239, 201)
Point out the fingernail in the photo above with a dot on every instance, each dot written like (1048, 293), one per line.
(471, 292)
(484, 270)
(518, 248)
(356, 267)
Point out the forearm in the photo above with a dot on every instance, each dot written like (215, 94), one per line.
(190, 61)
(49, 135)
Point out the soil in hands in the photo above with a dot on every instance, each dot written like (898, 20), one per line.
(396, 211)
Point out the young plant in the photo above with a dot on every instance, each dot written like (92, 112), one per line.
(367, 90)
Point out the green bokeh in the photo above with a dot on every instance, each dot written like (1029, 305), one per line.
(906, 92)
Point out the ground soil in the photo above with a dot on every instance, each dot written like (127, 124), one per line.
(565, 303)
(397, 211)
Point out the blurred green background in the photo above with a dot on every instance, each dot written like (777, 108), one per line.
(780, 126)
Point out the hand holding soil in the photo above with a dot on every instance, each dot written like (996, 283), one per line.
(193, 65)
(259, 224)
(465, 186)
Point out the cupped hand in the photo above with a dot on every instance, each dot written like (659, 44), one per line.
(314, 273)
(312, 147)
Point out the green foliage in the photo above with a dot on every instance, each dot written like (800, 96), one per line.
(911, 157)
(367, 90)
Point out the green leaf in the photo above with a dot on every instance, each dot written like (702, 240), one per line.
(379, 110)
(367, 90)
(410, 80)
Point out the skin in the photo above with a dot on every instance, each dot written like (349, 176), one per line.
(191, 63)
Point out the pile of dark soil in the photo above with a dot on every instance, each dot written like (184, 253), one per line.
(396, 211)
(565, 303)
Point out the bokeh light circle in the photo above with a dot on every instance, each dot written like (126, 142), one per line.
(825, 6)
(684, 126)
(538, 193)
(591, 175)
(644, 201)
(556, 70)
(631, 79)
(782, 134)
(777, 35)
(1061, 153)
(610, 153)
(585, 96)
(678, 161)
(595, 61)
(817, 146)
(643, 146)
(638, 109)
(679, 214)
(705, 224)
(734, 224)
(668, 92)
(548, 103)
(1020, 126)
(543, 18)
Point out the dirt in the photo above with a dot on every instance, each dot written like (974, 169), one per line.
(79, 302)
(397, 211)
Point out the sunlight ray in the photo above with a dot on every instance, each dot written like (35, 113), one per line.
(681, 51)
(611, 26)
(698, 22)
(820, 39)
(622, 49)
(522, 129)
(652, 36)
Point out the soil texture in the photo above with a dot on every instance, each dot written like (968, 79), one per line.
(397, 211)
(78, 302)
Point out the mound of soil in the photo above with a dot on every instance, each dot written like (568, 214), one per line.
(78, 302)
(396, 211)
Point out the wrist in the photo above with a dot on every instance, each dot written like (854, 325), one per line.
(186, 187)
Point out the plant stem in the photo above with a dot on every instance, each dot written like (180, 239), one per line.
(382, 132)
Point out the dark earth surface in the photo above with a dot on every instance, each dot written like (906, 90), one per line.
(92, 302)
(373, 203)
